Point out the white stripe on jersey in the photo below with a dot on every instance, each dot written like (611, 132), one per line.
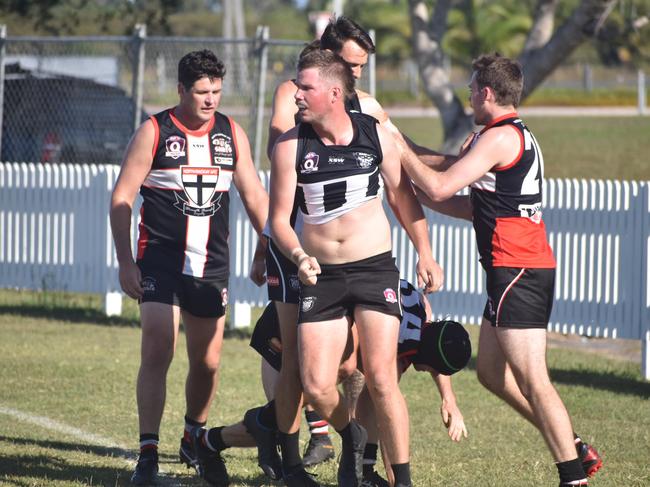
(171, 179)
(355, 196)
(487, 182)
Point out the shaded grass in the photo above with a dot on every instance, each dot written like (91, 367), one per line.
(83, 375)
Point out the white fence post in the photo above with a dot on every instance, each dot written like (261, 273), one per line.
(241, 315)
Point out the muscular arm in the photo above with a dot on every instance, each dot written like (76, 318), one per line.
(400, 196)
(135, 167)
(458, 206)
(248, 184)
(497, 146)
(283, 111)
(283, 188)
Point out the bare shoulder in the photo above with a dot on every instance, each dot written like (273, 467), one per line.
(370, 106)
(286, 89)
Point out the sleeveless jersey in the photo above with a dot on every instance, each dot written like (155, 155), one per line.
(335, 179)
(184, 215)
(507, 201)
(352, 103)
(414, 315)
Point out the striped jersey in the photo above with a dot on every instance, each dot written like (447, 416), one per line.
(507, 206)
(414, 315)
(184, 216)
(335, 179)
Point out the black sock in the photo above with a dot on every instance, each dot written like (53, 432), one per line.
(266, 417)
(149, 443)
(317, 425)
(402, 473)
(369, 458)
(290, 448)
(346, 436)
(214, 440)
(571, 471)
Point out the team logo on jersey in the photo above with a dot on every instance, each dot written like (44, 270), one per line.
(532, 212)
(273, 280)
(336, 160)
(364, 160)
(309, 163)
(199, 185)
(223, 152)
(148, 285)
(390, 295)
(307, 303)
(175, 147)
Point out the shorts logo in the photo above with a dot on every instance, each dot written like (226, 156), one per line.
(224, 296)
(390, 295)
(294, 282)
(148, 285)
(175, 147)
(490, 308)
(364, 160)
(309, 163)
(273, 280)
(307, 303)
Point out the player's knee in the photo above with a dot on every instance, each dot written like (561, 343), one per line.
(158, 356)
(316, 392)
(381, 384)
(486, 379)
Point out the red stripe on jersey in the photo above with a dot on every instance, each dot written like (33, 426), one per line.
(499, 119)
(143, 239)
(156, 137)
(519, 242)
(183, 128)
(521, 150)
(234, 139)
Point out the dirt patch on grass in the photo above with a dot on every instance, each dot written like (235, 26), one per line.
(619, 349)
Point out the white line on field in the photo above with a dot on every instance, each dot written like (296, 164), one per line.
(54, 425)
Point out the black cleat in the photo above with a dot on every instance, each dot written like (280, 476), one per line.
(146, 471)
(350, 473)
(268, 457)
(186, 453)
(209, 464)
(319, 450)
(373, 479)
(300, 478)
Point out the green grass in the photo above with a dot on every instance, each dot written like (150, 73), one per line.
(573, 147)
(80, 371)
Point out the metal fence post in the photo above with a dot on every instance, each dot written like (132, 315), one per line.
(139, 35)
(262, 48)
(641, 92)
(3, 52)
(372, 66)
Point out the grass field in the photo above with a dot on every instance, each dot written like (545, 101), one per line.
(68, 413)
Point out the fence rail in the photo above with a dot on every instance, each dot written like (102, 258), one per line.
(55, 234)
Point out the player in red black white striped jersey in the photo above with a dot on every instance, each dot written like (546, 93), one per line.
(503, 165)
(183, 161)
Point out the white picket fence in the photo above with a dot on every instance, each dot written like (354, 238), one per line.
(55, 234)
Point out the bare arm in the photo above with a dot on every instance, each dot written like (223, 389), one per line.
(451, 415)
(458, 206)
(248, 184)
(283, 111)
(400, 196)
(495, 147)
(283, 188)
(135, 167)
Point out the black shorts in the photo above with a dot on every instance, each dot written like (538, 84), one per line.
(205, 298)
(266, 329)
(371, 283)
(281, 276)
(519, 297)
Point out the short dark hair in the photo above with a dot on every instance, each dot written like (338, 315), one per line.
(343, 29)
(330, 65)
(503, 75)
(199, 64)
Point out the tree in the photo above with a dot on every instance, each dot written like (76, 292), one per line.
(543, 50)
